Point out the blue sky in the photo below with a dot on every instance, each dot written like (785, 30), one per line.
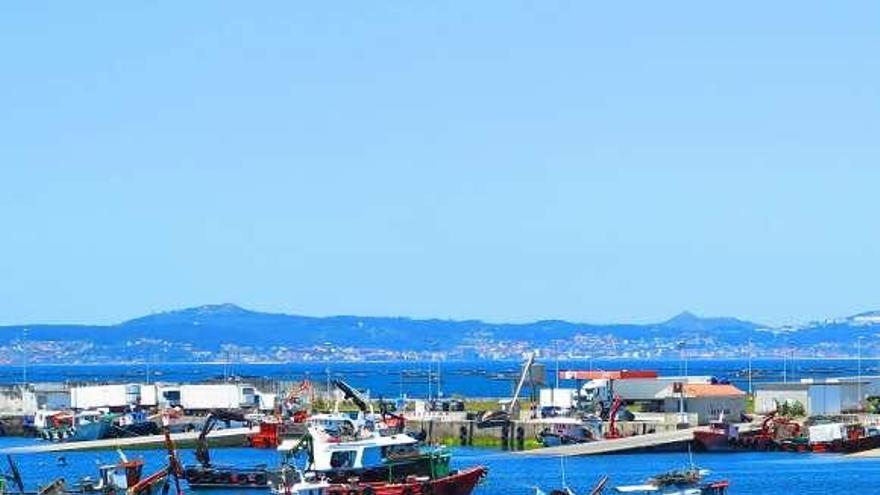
(499, 160)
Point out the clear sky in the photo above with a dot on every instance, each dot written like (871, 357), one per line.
(594, 161)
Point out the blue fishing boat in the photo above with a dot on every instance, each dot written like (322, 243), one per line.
(81, 426)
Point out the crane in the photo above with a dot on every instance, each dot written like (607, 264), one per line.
(352, 394)
(613, 432)
(495, 418)
(202, 453)
(526, 371)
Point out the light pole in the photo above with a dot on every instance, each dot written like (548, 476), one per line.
(750, 366)
(859, 383)
(24, 367)
(785, 366)
(683, 366)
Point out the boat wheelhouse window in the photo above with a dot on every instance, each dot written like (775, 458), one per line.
(372, 456)
(342, 459)
(398, 451)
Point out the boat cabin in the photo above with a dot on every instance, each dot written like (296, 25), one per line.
(376, 450)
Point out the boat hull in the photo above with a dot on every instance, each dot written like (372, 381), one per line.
(713, 441)
(217, 477)
(133, 430)
(457, 483)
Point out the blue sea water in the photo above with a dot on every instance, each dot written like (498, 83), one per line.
(466, 378)
(750, 473)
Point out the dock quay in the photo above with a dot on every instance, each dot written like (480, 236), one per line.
(229, 437)
(516, 435)
(652, 441)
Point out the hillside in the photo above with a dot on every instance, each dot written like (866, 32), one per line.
(207, 332)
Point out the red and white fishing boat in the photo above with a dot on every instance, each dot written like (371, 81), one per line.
(455, 483)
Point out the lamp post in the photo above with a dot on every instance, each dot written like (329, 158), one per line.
(859, 383)
(750, 366)
(683, 357)
(24, 364)
(785, 366)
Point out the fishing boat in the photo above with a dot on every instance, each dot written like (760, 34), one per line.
(834, 437)
(565, 431)
(784, 434)
(364, 455)
(687, 481)
(291, 481)
(455, 483)
(206, 474)
(719, 436)
(132, 424)
(367, 455)
(124, 477)
(74, 427)
(710, 488)
(113, 479)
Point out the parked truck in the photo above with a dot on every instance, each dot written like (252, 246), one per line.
(114, 397)
(206, 397)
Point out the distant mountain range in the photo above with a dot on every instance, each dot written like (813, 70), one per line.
(205, 331)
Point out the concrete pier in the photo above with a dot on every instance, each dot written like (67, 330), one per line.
(222, 438)
(652, 441)
(516, 435)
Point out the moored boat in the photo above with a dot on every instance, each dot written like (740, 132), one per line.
(206, 474)
(454, 483)
(364, 455)
(132, 424)
(565, 431)
(687, 481)
(710, 488)
(75, 427)
(717, 437)
(367, 455)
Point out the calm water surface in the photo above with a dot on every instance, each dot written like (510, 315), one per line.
(472, 379)
(750, 473)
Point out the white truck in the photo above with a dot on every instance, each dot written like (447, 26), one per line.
(205, 397)
(117, 396)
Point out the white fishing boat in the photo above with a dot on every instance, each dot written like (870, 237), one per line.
(711, 488)
(291, 481)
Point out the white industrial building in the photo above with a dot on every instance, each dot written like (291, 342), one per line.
(819, 397)
(692, 397)
(708, 401)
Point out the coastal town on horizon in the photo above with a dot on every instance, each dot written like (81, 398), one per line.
(218, 333)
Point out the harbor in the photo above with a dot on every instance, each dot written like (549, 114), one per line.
(567, 413)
